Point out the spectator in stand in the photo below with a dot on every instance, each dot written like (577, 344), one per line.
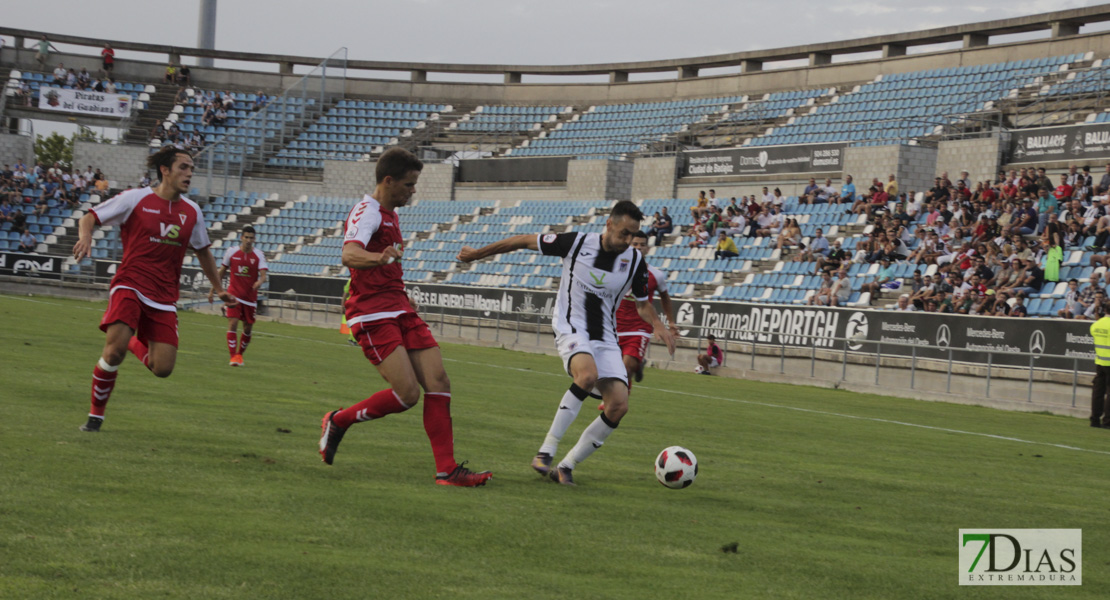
(700, 207)
(904, 304)
(726, 248)
(43, 55)
(818, 248)
(883, 280)
(1064, 191)
(228, 100)
(171, 74)
(27, 241)
(1099, 307)
(83, 79)
(891, 188)
(101, 183)
(23, 94)
(791, 235)
(767, 199)
(715, 202)
(108, 59)
(182, 97)
(1072, 307)
(662, 227)
(1019, 309)
(260, 101)
(837, 256)
(1052, 258)
(110, 86)
(847, 191)
(927, 290)
(6, 210)
(824, 291)
(737, 223)
(144, 180)
(184, 75)
(841, 291)
(713, 356)
(1103, 187)
(714, 220)
(1046, 205)
(60, 74)
(71, 78)
(221, 117)
(699, 237)
(810, 193)
(1032, 280)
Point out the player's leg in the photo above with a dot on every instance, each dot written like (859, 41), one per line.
(380, 341)
(155, 341)
(105, 372)
(427, 363)
(232, 330)
(580, 366)
(247, 317)
(614, 391)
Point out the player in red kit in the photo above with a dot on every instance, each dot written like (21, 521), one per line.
(383, 321)
(634, 333)
(248, 269)
(156, 225)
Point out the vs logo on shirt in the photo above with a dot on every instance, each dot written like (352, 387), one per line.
(170, 231)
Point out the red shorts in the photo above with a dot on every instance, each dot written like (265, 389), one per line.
(150, 324)
(380, 338)
(634, 346)
(242, 312)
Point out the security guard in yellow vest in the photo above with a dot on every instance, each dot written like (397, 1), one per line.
(1100, 407)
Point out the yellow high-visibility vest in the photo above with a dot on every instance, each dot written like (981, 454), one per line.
(1100, 331)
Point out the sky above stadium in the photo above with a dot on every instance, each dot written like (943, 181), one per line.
(511, 31)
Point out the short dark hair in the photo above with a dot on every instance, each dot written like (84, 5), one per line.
(396, 163)
(640, 234)
(164, 157)
(626, 208)
(1073, 280)
(710, 337)
(248, 229)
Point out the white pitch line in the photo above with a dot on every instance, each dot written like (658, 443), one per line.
(692, 395)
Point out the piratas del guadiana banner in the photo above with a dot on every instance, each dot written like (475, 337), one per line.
(84, 102)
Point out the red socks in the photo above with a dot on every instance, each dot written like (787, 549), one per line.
(140, 351)
(244, 339)
(437, 424)
(104, 381)
(231, 343)
(377, 406)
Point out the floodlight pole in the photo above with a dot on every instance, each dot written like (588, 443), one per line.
(206, 30)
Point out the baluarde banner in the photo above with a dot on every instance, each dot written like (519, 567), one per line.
(86, 102)
(1050, 144)
(761, 160)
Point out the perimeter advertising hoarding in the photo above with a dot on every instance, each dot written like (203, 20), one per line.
(763, 160)
(30, 265)
(85, 102)
(969, 338)
(1077, 143)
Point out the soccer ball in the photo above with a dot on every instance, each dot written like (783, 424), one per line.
(699, 369)
(676, 467)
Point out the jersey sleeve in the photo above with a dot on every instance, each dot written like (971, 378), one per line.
(262, 264)
(117, 209)
(227, 257)
(199, 239)
(660, 280)
(362, 224)
(556, 244)
(640, 281)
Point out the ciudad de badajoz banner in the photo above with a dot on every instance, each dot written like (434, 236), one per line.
(85, 102)
(1050, 144)
(762, 160)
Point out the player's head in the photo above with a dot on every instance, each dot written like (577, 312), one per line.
(396, 175)
(639, 241)
(174, 167)
(246, 238)
(624, 222)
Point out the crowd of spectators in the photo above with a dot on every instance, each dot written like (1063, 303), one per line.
(993, 243)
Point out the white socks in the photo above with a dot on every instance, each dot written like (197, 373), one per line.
(592, 439)
(568, 411)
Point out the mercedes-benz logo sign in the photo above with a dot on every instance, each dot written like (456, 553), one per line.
(856, 331)
(944, 336)
(1037, 342)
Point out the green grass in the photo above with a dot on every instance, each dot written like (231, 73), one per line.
(191, 491)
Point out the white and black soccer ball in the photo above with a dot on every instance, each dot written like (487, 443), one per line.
(676, 467)
(699, 369)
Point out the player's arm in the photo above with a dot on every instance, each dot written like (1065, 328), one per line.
(357, 257)
(208, 265)
(648, 314)
(262, 278)
(83, 247)
(668, 310)
(512, 244)
(219, 275)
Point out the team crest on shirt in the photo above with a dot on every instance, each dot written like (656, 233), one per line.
(624, 265)
(183, 217)
(549, 238)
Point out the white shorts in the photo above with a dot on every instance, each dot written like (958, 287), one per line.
(713, 362)
(607, 355)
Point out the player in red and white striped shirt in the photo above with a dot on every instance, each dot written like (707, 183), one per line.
(392, 336)
(248, 269)
(157, 225)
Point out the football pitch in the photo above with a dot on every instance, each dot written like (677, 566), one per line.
(208, 484)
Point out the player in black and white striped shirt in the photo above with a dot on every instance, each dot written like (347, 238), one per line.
(599, 269)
